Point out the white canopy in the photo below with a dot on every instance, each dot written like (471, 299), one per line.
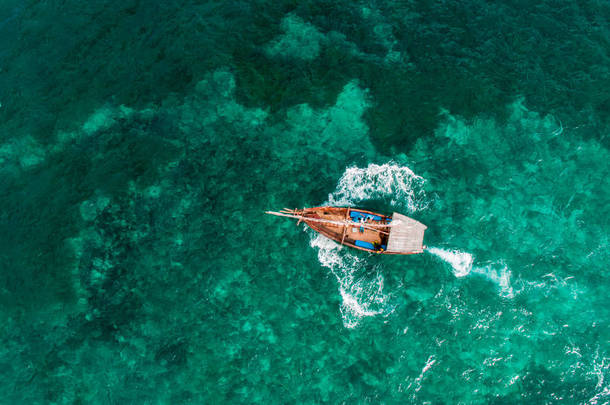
(406, 235)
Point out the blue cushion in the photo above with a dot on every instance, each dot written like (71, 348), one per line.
(366, 245)
(383, 247)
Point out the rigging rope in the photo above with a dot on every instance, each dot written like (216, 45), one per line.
(346, 223)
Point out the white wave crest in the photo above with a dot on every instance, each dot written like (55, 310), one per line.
(460, 261)
(362, 295)
(499, 274)
(605, 393)
(601, 368)
(417, 382)
(380, 181)
(462, 264)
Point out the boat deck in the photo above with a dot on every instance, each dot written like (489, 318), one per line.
(357, 232)
(363, 229)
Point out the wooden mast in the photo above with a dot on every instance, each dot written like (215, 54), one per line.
(344, 222)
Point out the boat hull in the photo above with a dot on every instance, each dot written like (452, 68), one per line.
(365, 230)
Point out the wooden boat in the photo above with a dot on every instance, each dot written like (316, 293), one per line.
(363, 229)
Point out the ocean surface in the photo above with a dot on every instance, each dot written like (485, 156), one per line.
(141, 143)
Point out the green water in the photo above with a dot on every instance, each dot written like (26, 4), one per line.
(140, 145)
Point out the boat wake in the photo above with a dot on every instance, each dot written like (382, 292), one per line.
(380, 181)
(499, 274)
(360, 287)
(361, 292)
(460, 261)
(462, 264)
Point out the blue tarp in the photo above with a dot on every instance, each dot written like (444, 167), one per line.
(356, 215)
(367, 245)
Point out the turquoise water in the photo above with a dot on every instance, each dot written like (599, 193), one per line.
(141, 143)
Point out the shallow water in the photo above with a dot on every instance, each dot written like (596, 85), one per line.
(140, 146)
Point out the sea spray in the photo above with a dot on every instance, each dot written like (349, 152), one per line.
(462, 264)
(398, 183)
(498, 273)
(362, 293)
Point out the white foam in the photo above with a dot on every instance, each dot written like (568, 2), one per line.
(601, 367)
(429, 363)
(362, 294)
(327, 255)
(605, 393)
(498, 273)
(462, 264)
(378, 181)
(360, 301)
(460, 261)
(416, 384)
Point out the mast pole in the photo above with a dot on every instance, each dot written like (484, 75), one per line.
(328, 221)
